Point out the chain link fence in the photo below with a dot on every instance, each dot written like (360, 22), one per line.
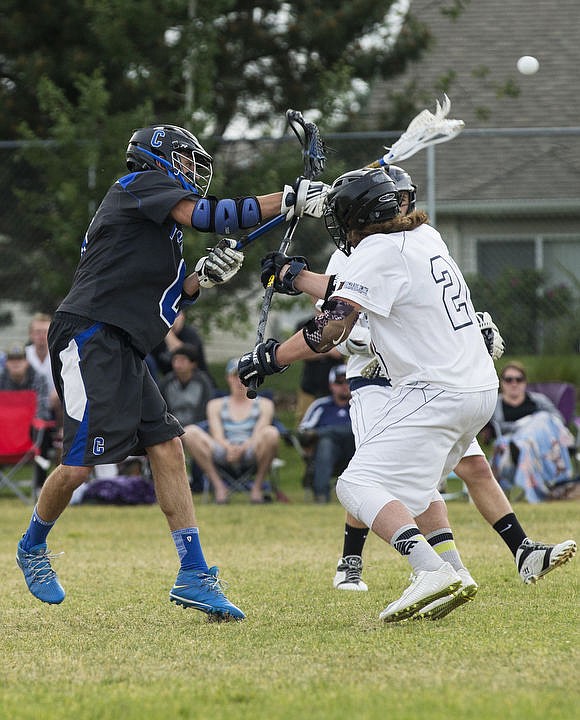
(506, 201)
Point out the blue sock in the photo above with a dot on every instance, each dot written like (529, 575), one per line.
(189, 549)
(37, 531)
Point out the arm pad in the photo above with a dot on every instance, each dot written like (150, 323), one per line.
(325, 331)
(226, 217)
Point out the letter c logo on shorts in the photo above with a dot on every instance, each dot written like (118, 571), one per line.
(98, 446)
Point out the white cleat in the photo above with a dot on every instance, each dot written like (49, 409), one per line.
(348, 574)
(425, 587)
(534, 560)
(443, 606)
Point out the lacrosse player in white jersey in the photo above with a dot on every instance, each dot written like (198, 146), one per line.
(427, 339)
(369, 391)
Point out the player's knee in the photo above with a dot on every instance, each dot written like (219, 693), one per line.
(74, 477)
(473, 469)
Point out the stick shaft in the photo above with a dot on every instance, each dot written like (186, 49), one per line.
(258, 232)
(251, 392)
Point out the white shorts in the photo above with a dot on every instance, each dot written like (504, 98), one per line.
(407, 440)
(473, 449)
(367, 406)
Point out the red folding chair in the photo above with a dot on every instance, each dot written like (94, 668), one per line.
(21, 436)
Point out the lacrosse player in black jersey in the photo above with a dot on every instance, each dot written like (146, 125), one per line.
(128, 288)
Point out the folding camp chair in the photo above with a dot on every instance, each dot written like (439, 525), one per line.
(241, 481)
(21, 436)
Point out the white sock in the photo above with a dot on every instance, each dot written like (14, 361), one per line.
(409, 542)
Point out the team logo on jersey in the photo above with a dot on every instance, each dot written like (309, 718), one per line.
(177, 234)
(355, 287)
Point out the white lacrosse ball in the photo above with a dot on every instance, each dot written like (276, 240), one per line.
(527, 65)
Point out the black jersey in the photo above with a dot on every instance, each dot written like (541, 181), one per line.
(131, 269)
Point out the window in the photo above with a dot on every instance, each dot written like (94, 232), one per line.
(494, 257)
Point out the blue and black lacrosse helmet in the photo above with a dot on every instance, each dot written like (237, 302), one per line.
(174, 150)
(357, 199)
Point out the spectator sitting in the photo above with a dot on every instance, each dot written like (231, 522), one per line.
(531, 450)
(39, 359)
(179, 334)
(326, 434)
(240, 436)
(186, 389)
(18, 374)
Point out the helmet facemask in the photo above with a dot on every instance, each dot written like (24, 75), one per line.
(336, 230)
(194, 166)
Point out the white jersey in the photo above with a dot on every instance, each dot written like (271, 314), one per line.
(421, 317)
(355, 363)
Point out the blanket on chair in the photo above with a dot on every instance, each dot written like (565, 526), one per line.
(535, 457)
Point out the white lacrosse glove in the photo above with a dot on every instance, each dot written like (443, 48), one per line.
(220, 264)
(305, 197)
(493, 340)
(315, 198)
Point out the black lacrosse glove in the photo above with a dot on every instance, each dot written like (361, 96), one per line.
(273, 263)
(260, 362)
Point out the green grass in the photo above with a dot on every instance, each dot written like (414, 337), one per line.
(117, 649)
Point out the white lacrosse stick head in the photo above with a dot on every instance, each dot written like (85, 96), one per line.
(424, 129)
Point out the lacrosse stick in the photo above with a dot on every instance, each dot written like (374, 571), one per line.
(424, 129)
(262, 230)
(313, 155)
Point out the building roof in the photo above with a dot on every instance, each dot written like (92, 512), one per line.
(473, 59)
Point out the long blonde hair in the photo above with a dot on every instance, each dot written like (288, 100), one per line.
(397, 224)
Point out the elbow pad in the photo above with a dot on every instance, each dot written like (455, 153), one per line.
(225, 217)
(331, 327)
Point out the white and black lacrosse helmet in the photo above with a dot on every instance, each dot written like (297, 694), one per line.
(403, 183)
(357, 199)
(175, 150)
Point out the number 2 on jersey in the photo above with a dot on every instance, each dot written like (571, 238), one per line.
(455, 293)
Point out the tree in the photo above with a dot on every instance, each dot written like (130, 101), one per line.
(81, 75)
(202, 63)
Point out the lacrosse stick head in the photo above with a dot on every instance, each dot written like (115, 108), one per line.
(313, 148)
(357, 199)
(424, 129)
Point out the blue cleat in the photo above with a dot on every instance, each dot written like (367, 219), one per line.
(38, 573)
(203, 591)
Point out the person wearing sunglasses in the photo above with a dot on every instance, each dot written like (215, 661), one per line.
(531, 449)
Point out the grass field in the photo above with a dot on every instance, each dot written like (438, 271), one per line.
(117, 649)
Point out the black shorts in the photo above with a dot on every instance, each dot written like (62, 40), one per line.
(112, 406)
